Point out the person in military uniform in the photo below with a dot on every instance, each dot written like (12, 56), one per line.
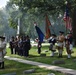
(69, 45)
(60, 41)
(52, 41)
(2, 51)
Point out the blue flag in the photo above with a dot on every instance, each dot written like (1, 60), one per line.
(40, 34)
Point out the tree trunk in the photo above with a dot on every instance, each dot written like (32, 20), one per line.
(74, 25)
(22, 25)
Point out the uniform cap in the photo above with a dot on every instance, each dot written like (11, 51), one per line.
(61, 32)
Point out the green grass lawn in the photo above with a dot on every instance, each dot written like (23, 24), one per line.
(18, 68)
(34, 56)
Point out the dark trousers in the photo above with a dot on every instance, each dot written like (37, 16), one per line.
(11, 50)
(20, 51)
(16, 50)
(26, 53)
(39, 50)
(2, 65)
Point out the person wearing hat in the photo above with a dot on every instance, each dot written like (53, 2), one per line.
(60, 41)
(52, 41)
(2, 51)
(69, 45)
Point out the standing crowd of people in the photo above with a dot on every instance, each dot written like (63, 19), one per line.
(20, 45)
(60, 42)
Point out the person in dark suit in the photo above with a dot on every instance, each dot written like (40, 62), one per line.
(11, 43)
(20, 46)
(26, 46)
(16, 45)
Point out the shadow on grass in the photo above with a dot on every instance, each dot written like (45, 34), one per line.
(56, 56)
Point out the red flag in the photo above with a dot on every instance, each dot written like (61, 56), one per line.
(47, 21)
(48, 32)
(67, 19)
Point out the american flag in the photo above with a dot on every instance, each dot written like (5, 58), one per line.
(67, 19)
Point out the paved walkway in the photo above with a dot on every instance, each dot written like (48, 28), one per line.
(42, 65)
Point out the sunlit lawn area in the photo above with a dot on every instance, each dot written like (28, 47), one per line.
(18, 68)
(34, 56)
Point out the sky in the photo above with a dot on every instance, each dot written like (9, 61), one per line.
(3, 3)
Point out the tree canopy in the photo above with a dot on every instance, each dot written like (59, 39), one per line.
(42, 6)
(39, 8)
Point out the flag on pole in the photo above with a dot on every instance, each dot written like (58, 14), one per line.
(48, 32)
(67, 19)
(47, 21)
(40, 33)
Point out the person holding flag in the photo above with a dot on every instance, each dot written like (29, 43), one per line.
(52, 41)
(40, 37)
(69, 44)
